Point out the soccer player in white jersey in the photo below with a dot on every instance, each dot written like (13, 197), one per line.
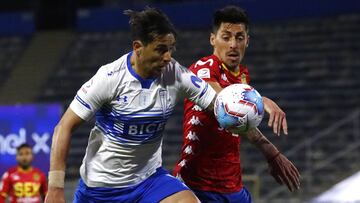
(131, 98)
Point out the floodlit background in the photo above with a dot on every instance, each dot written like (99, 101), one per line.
(303, 54)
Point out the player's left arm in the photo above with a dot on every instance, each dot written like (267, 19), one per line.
(277, 117)
(282, 169)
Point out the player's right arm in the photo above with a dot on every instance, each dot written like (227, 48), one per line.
(87, 101)
(59, 151)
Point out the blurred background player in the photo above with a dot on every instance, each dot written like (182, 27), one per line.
(210, 159)
(23, 183)
(132, 98)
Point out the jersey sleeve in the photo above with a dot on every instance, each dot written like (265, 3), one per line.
(195, 88)
(4, 186)
(206, 69)
(92, 95)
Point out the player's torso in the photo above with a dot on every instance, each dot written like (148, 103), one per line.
(137, 115)
(210, 158)
(124, 148)
(25, 186)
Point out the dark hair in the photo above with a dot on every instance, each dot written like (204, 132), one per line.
(148, 24)
(24, 145)
(230, 14)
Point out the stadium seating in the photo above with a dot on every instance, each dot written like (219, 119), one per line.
(11, 48)
(310, 67)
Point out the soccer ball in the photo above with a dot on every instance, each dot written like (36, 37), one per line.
(238, 108)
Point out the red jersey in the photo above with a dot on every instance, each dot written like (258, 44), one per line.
(210, 157)
(23, 186)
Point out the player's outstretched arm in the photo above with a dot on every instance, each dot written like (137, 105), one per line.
(277, 118)
(280, 167)
(59, 151)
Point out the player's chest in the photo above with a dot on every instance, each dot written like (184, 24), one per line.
(135, 97)
(25, 184)
(225, 79)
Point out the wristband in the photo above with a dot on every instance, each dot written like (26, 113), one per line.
(57, 179)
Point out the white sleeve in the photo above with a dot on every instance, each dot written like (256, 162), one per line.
(92, 95)
(195, 88)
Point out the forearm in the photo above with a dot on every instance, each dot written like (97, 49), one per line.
(60, 148)
(262, 143)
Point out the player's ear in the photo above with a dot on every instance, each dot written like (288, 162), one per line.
(137, 46)
(212, 39)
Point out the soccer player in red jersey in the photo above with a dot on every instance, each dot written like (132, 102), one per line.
(23, 183)
(210, 159)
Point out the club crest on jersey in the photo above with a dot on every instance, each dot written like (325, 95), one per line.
(36, 177)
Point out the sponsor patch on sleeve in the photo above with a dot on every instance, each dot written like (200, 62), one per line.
(203, 73)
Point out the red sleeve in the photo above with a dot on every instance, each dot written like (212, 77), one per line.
(207, 69)
(44, 185)
(4, 186)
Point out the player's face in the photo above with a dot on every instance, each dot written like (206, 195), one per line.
(156, 55)
(24, 157)
(230, 42)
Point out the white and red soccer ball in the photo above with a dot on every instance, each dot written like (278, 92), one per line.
(238, 108)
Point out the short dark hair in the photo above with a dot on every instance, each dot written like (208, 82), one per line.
(148, 24)
(24, 145)
(230, 14)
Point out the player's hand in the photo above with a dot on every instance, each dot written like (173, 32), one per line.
(284, 172)
(55, 195)
(277, 118)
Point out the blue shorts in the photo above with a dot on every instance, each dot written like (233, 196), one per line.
(154, 189)
(243, 196)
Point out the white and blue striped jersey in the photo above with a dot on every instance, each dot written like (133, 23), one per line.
(124, 147)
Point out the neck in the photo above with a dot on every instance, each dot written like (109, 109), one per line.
(134, 60)
(25, 168)
(234, 70)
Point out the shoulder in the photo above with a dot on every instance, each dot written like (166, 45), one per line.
(9, 172)
(114, 68)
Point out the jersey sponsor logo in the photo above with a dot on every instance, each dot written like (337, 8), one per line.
(201, 63)
(26, 189)
(151, 128)
(203, 73)
(196, 81)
